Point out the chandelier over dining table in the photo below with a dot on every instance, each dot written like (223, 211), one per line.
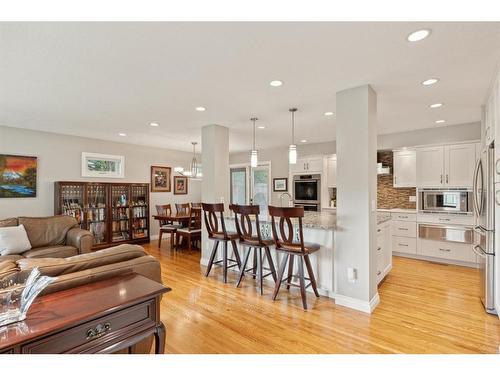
(194, 170)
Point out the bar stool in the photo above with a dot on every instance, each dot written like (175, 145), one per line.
(285, 244)
(167, 226)
(219, 235)
(253, 242)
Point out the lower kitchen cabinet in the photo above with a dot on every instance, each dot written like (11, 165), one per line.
(384, 250)
(405, 245)
(446, 250)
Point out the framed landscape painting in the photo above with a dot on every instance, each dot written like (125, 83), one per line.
(18, 176)
(160, 179)
(280, 184)
(180, 185)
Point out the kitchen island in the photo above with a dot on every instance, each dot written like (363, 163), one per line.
(318, 227)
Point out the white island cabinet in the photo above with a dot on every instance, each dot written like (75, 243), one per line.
(384, 249)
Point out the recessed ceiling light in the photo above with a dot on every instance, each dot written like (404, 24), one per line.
(154, 124)
(436, 105)
(328, 113)
(261, 127)
(440, 121)
(418, 35)
(303, 140)
(276, 83)
(430, 81)
(122, 134)
(201, 109)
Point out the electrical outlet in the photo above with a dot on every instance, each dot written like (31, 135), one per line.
(413, 198)
(352, 274)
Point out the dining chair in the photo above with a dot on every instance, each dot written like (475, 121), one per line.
(182, 208)
(253, 241)
(195, 205)
(192, 233)
(283, 234)
(219, 234)
(167, 226)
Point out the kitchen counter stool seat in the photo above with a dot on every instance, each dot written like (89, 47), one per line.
(243, 216)
(218, 235)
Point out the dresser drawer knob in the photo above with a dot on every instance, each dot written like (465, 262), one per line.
(98, 331)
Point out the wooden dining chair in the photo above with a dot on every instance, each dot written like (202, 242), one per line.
(182, 208)
(167, 226)
(283, 234)
(252, 241)
(192, 233)
(218, 233)
(195, 205)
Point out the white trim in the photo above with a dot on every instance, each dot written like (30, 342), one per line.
(357, 304)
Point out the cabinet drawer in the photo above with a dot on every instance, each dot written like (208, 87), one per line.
(446, 250)
(403, 217)
(404, 228)
(404, 245)
(96, 329)
(446, 219)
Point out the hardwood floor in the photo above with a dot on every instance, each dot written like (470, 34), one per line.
(425, 308)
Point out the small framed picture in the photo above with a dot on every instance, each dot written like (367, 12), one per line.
(280, 184)
(180, 185)
(160, 179)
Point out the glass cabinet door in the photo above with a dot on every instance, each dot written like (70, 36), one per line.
(139, 210)
(120, 210)
(96, 212)
(72, 201)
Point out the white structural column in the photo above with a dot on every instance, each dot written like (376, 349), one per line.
(355, 258)
(215, 187)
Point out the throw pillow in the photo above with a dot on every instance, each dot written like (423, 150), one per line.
(14, 240)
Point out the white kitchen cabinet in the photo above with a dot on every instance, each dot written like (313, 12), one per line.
(405, 168)
(446, 166)
(384, 250)
(430, 166)
(308, 165)
(331, 177)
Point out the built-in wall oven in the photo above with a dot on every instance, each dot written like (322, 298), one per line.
(307, 192)
(451, 201)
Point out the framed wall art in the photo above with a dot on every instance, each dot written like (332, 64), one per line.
(161, 179)
(18, 176)
(280, 184)
(180, 185)
(102, 165)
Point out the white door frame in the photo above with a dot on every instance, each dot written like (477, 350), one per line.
(249, 178)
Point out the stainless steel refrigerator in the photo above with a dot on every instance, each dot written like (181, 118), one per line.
(484, 230)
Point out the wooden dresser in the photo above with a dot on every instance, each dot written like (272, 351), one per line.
(102, 317)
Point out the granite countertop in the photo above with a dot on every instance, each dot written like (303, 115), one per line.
(322, 220)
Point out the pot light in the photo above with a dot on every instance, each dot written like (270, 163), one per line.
(200, 109)
(436, 105)
(440, 121)
(122, 134)
(418, 35)
(303, 141)
(430, 81)
(328, 113)
(276, 83)
(154, 124)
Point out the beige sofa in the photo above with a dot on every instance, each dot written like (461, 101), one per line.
(51, 237)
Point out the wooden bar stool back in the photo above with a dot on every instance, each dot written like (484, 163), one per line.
(167, 226)
(283, 233)
(218, 233)
(252, 241)
(193, 231)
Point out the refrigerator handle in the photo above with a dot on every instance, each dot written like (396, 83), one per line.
(474, 187)
(478, 251)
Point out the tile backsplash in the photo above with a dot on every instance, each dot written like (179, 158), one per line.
(388, 196)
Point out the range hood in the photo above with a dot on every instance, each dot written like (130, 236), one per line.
(381, 170)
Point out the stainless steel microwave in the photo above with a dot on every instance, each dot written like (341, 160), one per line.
(457, 201)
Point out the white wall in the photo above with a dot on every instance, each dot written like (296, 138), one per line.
(279, 156)
(59, 159)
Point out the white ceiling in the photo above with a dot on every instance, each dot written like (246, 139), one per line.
(99, 79)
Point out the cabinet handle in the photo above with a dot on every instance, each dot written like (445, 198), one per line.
(379, 272)
(98, 331)
(402, 244)
(379, 248)
(403, 217)
(403, 228)
(378, 230)
(447, 250)
(441, 219)
(446, 178)
(441, 178)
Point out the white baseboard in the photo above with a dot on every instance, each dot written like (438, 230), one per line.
(357, 304)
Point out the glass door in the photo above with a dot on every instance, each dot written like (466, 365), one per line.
(261, 188)
(239, 185)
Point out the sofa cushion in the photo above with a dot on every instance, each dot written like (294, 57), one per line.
(56, 267)
(47, 231)
(8, 268)
(11, 222)
(13, 240)
(51, 252)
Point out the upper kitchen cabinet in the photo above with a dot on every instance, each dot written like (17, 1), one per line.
(446, 166)
(308, 165)
(430, 166)
(332, 171)
(405, 168)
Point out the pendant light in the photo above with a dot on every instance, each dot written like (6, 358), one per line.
(194, 167)
(254, 160)
(292, 150)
